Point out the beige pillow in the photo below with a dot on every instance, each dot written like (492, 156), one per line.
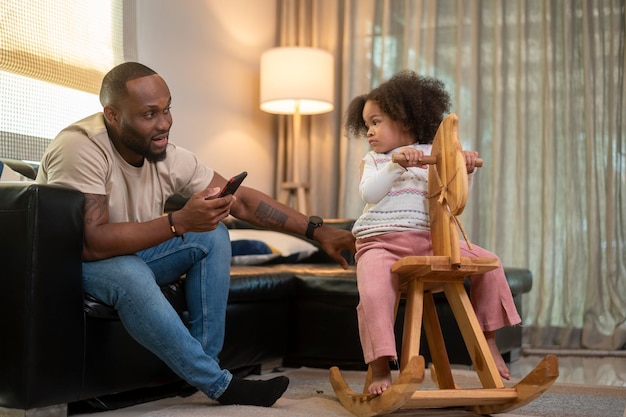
(283, 247)
(9, 175)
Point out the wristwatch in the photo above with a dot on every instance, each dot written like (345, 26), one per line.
(314, 223)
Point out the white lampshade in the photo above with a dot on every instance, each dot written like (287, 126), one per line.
(294, 77)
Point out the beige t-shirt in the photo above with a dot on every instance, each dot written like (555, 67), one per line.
(83, 157)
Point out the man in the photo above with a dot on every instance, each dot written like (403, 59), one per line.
(121, 159)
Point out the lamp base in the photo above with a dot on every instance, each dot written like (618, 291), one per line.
(296, 195)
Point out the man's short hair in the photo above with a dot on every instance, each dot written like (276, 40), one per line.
(114, 82)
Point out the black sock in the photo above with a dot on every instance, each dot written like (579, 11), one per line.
(254, 392)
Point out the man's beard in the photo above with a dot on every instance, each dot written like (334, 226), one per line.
(144, 150)
(136, 143)
(154, 157)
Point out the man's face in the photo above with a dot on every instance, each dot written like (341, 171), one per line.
(143, 120)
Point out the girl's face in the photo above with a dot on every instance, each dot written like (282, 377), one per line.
(383, 133)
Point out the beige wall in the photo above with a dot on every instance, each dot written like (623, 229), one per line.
(208, 51)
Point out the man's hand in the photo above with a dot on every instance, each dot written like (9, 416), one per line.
(334, 241)
(261, 210)
(203, 211)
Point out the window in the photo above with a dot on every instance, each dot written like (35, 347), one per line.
(53, 55)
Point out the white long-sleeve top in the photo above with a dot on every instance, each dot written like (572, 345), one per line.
(395, 197)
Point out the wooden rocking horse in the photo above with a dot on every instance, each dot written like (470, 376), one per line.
(420, 277)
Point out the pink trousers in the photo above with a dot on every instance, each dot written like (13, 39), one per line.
(378, 289)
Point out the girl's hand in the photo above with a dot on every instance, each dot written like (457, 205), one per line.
(412, 157)
(470, 160)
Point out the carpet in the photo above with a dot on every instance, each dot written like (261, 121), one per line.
(311, 395)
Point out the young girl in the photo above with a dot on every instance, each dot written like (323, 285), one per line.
(402, 116)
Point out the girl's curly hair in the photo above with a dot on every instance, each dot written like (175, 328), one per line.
(418, 103)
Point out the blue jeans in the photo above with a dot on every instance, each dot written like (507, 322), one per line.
(131, 283)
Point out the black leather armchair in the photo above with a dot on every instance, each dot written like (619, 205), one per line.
(63, 350)
(52, 353)
(34, 221)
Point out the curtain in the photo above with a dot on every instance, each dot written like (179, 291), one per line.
(539, 90)
(312, 23)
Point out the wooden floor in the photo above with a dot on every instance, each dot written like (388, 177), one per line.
(574, 369)
(577, 369)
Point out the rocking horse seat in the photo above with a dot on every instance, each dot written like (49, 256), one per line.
(436, 270)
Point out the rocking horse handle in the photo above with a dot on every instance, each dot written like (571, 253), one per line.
(427, 160)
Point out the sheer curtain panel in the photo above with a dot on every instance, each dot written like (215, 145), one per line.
(539, 90)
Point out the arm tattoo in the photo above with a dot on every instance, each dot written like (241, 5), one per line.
(270, 216)
(95, 207)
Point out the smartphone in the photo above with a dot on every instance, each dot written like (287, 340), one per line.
(232, 184)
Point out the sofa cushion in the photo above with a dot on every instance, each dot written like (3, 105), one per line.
(251, 252)
(265, 287)
(7, 174)
(271, 282)
(287, 248)
(317, 257)
(16, 170)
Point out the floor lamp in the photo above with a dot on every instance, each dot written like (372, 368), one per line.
(296, 81)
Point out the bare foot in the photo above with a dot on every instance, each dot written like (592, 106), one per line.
(500, 364)
(381, 376)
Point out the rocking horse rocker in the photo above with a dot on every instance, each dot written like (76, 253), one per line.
(420, 277)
